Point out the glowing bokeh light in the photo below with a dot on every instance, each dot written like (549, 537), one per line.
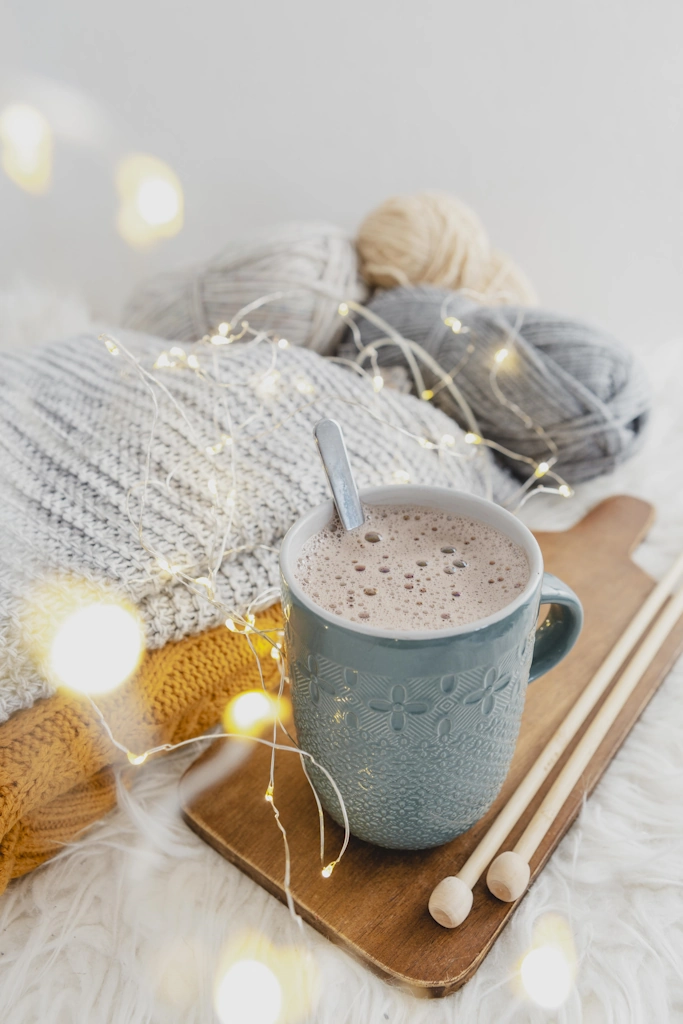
(250, 708)
(97, 647)
(26, 139)
(250, 712)
(248, 993)
(151, 200)
(547, 976)
(157, 201)
(399, 476)
(267, 386)
(258, 983)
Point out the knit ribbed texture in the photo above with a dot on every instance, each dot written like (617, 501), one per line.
(74, 429)
(55, 758)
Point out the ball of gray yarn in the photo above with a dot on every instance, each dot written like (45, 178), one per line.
(575, 381)
(185, 305)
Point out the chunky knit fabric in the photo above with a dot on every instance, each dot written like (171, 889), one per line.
(57, 763)
(75, 428)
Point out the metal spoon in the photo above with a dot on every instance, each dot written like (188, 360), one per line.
(335, 459)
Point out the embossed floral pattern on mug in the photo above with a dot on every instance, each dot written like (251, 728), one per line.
(387, 738)
(398, 707)
(485, 696)
(317, 682)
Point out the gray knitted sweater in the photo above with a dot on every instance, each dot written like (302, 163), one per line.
(75, 427)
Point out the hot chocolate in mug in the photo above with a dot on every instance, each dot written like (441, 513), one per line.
(418, 727)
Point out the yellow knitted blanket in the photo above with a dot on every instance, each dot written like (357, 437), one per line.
(57, 763)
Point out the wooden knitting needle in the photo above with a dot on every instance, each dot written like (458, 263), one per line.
(451, 900)
(509, 874)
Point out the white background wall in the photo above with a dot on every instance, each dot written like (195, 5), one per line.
(560, 123)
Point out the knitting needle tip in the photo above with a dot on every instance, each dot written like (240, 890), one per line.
(450, 902)
(508, 876)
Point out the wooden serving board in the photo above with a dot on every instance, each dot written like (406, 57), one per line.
(375, 903)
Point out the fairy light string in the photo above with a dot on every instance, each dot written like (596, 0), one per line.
(222, 483)
(139, 759)
(412, 352)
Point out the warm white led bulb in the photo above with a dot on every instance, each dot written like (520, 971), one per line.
(268, 384)
(26, 140)
(547, 976)
(251, 708)
(97, 648)
(157, 201)
(151, 200)
(252, 711)
(399, 476)
(304, 387)
(248, 993)
(24, 126)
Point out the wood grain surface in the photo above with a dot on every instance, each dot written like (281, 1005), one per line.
(375, 903)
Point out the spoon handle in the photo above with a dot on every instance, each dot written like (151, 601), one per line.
(335, 460)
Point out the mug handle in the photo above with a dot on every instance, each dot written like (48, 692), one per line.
(560, 629)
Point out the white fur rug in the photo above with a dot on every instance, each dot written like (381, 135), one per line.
(127, 926)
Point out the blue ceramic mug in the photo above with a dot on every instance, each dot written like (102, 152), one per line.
(418, 728)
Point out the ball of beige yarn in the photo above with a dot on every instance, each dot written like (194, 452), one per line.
(433, 238)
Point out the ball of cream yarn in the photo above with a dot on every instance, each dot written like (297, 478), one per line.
(433, 238)
(314, 265)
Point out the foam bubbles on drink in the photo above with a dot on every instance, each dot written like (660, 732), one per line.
(455, 570)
